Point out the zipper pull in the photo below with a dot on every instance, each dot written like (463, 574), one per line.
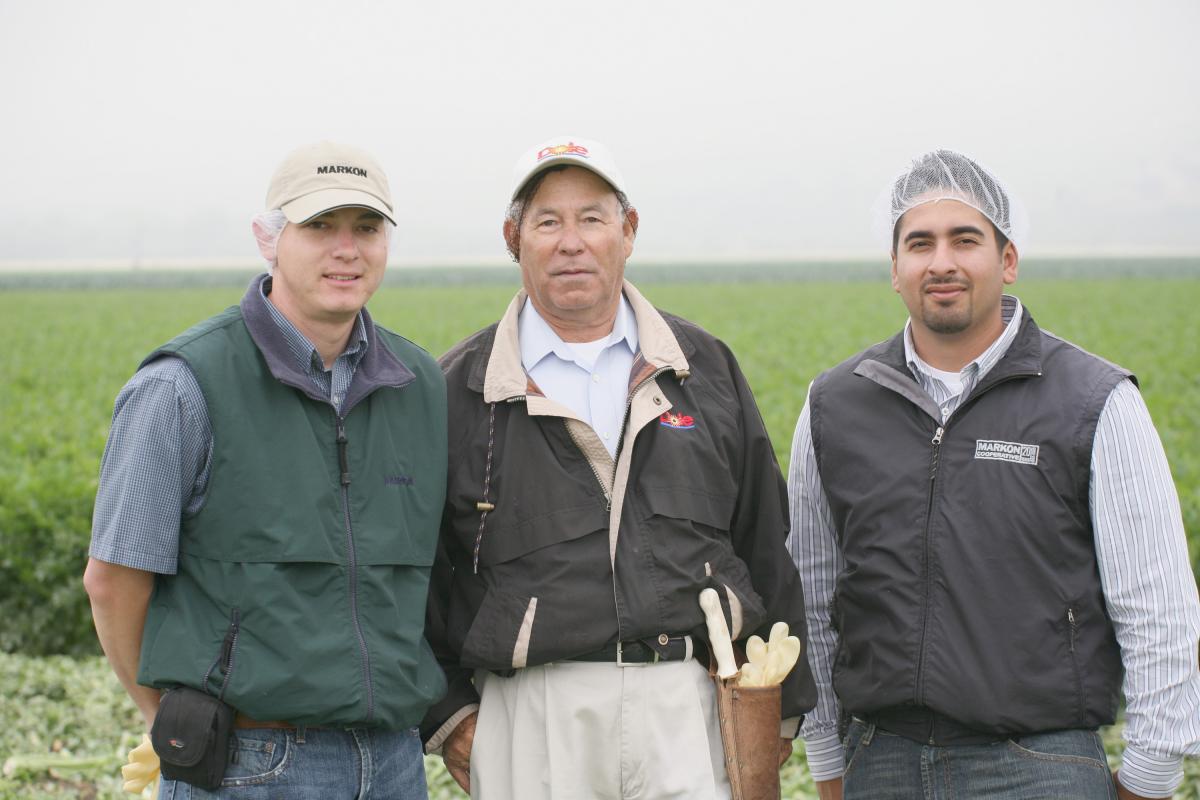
(937, 436)
(343, 461)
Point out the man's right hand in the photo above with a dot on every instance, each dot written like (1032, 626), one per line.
(456, 752)
(830, 790)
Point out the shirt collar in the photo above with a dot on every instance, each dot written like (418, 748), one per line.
(538, 339)
(305, 352)
(1010, 314)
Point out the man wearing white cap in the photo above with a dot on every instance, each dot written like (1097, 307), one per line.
(989, 536)
(267, 512)
(608, 463)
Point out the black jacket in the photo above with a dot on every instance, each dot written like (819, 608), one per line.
(579, 551)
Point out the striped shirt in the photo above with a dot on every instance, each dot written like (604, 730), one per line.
(1142, 553)
(158, 456)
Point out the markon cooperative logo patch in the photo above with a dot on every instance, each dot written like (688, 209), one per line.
(568, 149)
(1014, 452)
(681, 421)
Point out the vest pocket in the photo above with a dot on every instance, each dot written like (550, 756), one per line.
(1076, 669)
(223, 664)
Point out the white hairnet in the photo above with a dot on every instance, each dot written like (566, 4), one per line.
(948, 175)
(269, 225)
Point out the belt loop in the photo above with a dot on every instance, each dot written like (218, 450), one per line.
(869, 735)
(688, 652)
(300, 731)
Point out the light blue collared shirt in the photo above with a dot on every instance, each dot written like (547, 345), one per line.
(591, 379)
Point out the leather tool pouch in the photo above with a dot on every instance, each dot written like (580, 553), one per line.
(750, 718)
(191, 737)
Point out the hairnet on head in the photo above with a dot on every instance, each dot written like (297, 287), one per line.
(267, 226)
(948, 175)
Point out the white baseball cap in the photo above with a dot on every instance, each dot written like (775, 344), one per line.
(570, 150)
(323, 176)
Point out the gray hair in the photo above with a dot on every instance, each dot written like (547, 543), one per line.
(515, 213)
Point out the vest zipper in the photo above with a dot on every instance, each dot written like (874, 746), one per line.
(352, 559)
(936, 442)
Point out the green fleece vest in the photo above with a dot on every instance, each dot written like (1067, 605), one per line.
(302, 581)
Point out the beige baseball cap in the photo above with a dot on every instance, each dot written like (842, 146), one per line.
(324, 176)
(570, 150)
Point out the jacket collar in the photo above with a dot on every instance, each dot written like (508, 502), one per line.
(504, 378)
(889, 366)
(379, 367)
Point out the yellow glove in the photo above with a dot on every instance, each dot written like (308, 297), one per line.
(142, 769)
(770, 662)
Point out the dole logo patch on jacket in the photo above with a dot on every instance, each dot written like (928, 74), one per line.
(678, 421)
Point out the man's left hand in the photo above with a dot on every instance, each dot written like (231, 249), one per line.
(785, 751)
(1125, 794)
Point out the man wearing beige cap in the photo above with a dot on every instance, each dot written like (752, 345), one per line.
(267, 512)
(608, 464)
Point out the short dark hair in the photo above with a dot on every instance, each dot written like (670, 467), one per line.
(1001, 239)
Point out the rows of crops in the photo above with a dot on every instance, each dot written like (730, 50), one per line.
(68, 352)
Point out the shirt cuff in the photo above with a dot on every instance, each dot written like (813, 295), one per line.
(434, 746)
(826, 760)
(1150, 776)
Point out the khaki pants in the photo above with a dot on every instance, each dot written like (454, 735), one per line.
(583, 730)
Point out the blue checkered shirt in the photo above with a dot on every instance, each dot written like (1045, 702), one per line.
(158, 456)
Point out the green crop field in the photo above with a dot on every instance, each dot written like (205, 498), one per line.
(65, 724)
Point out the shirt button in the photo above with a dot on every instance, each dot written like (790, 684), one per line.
(595, 378)
(606, 436)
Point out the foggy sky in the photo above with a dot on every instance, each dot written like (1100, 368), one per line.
(749, 129)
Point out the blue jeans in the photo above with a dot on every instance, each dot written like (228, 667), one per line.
(323, 764)
(1062, 765)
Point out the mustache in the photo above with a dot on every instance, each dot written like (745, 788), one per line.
(955, 282)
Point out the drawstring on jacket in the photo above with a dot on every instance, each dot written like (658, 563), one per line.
(484, 506)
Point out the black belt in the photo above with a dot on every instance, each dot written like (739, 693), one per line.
(664, 648)
(923, 725)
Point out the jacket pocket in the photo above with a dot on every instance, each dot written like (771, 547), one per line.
(500, 634)
(744, 609)
(506, 541)
(687, 530)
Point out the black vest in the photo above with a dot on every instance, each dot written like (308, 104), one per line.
(970, 585)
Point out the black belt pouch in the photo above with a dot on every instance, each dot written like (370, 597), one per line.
(191, 736)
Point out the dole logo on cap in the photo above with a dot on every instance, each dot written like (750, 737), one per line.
(568, 149)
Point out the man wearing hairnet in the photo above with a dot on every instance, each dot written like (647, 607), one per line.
(267, 511)
(989, 538)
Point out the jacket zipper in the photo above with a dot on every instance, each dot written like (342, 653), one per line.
(596, 472)
(936, 441)
(365, 656)
(606, 490)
